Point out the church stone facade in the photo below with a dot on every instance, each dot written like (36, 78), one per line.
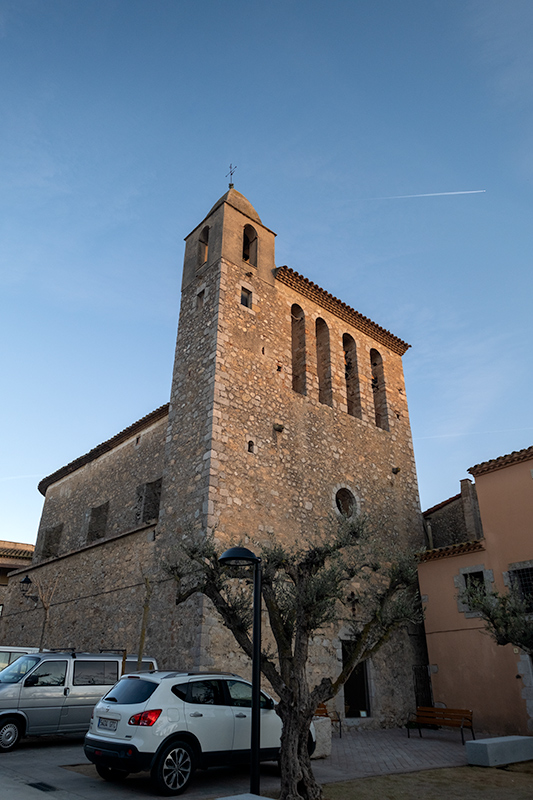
(287, 409)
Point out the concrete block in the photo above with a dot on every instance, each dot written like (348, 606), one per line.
(500, 750)
(323, 737)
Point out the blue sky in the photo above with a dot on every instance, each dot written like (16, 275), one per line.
(119, 121)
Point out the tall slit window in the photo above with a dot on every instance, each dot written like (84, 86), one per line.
(353, 394)
(323, 362)
(249, 245)
(378, 390)
(203, 246)
(298, 349)
(97, 522)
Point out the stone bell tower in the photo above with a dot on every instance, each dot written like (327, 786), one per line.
(287, 406)
(288, 411)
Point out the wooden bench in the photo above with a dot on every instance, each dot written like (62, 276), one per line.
(449, 717)
(322, 711)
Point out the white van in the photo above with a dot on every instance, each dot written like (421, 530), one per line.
(53, 692)
(9, 654)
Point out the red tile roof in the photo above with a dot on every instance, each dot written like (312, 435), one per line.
(452, 550)
(105, 447)
(503, 461)
(21, 551)
(441, 505)
(326, 300)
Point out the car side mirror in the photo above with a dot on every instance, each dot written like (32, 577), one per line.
(31, 680)
(269, 704)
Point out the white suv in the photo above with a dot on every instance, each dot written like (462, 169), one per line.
(173, 722)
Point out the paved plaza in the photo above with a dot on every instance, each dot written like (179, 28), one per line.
(56, 767)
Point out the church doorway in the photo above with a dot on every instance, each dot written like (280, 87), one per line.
(356, 694)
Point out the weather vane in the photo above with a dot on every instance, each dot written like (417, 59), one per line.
(230, 173)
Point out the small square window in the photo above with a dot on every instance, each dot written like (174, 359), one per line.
(246, 297)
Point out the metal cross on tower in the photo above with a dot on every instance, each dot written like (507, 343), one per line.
(230, 173)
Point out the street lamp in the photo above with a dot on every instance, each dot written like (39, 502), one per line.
(241, 557)
(26, 584)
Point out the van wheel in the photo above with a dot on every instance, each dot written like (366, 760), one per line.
(111, 774)
(174, 768)
(10, 734)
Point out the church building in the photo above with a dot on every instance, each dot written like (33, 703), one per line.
(287, 408)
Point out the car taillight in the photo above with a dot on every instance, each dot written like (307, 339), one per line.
(147, 718)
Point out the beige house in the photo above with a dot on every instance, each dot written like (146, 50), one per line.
(493, 546)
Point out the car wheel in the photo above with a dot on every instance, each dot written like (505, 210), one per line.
(111, 774)
(174, 768)
(10, 734)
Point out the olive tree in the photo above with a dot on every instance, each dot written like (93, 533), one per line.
(337, 577)
(508, 618)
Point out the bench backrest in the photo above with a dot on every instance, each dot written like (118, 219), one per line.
(450, 714)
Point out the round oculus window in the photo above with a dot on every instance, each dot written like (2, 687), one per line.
(346, 503)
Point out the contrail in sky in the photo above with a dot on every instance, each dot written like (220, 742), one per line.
(430, 194)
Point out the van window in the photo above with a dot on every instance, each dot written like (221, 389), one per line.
(16, 671)
(130, 691)
(48, 673)
(95, 673)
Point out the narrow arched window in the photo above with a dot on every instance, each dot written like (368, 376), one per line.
(323, 362)
(378, 390)
(298, 349)
(353, 394)
(203, 246)
(249, 245)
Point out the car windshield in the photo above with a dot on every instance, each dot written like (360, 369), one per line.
(16, 671)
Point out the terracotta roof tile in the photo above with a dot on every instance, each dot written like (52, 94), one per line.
(16, 552)
(452, 550)
(503, 461)
(441, 505)
(105, 447)
(326, 300)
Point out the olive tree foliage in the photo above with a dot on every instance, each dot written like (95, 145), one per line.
(508, 618)
(338, 576)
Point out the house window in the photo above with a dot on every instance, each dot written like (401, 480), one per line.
(203, 246)
(474, 576)
(200, 297)
(97, 522)
(246, 297)
(522, 581)
(249, 245)
(378, 390)
(148, 501)
(298, 349)
(353, 394)
(323, 362)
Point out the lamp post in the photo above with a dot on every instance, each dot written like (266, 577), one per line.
(26, 584)
(241, 557)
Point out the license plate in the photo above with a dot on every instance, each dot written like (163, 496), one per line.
(107, 724)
